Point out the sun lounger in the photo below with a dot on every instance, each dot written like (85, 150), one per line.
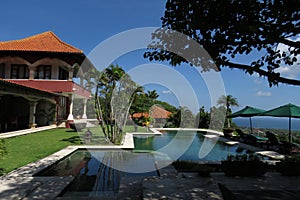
(280, 146)
(250, 138)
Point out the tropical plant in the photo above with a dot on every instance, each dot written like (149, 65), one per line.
(228, 101)
(217, 117)
(244, 165)
(142, 103)
(182, 118)
(202, 118)
(113, 98)
(268, 30)
(289, 166)
(91, 78)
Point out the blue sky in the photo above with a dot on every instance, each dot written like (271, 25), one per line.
(85, 24)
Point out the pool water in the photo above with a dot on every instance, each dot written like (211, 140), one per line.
(192, 141)
(99, 173)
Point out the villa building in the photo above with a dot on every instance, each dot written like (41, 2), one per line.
(36, 82)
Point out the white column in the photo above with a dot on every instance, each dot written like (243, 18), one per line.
(81, 81)
(71, 117)
(84, 109)
(31, 72)
(32, 110)
(71, 70)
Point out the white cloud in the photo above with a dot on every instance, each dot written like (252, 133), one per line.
(263, 94)
(167, 92)
(289, 72)
(293, 71)
(257, 81)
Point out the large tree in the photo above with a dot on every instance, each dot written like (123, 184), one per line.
(228, 29)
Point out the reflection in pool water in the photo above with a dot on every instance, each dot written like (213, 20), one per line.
(98, 173)
(191, 139)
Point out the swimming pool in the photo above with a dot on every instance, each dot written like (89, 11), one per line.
(185, 145)
(98, 173)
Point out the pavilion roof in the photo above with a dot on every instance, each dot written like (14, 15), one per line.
(155, 112)
(43, 42)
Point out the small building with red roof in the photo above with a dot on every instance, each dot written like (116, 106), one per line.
(36, 81)
(156, 112)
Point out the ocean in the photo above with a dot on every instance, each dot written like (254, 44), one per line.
(268, 122)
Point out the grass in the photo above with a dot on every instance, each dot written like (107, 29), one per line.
(28, 148)
(25, 149)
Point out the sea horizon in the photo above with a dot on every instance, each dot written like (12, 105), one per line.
(269, 122)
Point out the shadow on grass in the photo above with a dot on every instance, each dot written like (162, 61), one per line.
(2, 171)
(71, 131)
(73, 140)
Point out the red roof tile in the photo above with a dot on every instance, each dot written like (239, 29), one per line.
(44, 42)
(55, 86)
(12, 83)
(155, 112)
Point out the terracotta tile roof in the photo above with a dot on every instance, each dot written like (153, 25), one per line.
(155, 112)
(44, 42)
(55, 86)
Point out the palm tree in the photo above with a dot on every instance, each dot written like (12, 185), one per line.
(106, 86)
(152, 94)
(114, 96)
(91, 77)
(227, 101)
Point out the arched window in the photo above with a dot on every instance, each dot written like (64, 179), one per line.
(43, 72)
(19, 71)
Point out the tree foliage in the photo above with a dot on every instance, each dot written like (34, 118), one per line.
(228, 101)
(202, 118)
(230, 29)
(113, 98)
(181, 118)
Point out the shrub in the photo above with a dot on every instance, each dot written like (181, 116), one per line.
(189, 166)
(289, 166)
(244, 165)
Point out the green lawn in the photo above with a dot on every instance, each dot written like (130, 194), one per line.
(25, 149)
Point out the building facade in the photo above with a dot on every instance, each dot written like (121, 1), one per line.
(36, 82)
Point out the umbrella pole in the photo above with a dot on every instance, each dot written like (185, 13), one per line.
(251, 124)
(290, 134)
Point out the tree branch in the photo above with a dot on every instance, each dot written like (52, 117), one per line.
(264, 73)
(290, 43)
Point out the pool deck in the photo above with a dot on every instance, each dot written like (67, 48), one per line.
(22, 184)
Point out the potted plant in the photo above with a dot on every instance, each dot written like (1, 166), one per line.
(203, 170)
(289, 166)
(244, 165)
